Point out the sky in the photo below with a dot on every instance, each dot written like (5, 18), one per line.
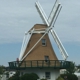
(18, 16)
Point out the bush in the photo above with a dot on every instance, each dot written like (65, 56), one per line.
(70, 76)
(43, 79)
(31, 76)
(59, 78)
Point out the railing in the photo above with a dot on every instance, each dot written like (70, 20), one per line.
(61, 64)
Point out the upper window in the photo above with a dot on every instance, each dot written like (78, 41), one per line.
(44, 42)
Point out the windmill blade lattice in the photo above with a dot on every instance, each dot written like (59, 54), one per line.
(54, 13)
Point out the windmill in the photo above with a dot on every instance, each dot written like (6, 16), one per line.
(50, 21)
(37, 54)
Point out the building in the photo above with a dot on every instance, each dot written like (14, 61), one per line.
(42, 59)
(37, 54)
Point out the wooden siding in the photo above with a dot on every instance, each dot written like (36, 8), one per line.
(39, 51)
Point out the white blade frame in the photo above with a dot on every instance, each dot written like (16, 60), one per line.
(53, 13)
(41, 12)
(25, 43)
(58, 42)
(20, 56)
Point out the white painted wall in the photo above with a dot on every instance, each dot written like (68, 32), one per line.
(41, 72)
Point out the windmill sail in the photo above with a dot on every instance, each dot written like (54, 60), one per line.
(41, 12)
(48, 22)
(54, 12)
(59, 44)
(24, 44)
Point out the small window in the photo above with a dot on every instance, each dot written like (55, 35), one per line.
(44, 42)
(46, 58)
(47, 75)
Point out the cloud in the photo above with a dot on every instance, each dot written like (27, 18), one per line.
(67, 24)
(19, 16)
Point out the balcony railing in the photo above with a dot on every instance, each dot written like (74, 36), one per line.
(61, 64)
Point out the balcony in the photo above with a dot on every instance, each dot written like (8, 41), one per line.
(56, 64)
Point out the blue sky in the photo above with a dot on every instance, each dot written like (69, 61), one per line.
(17, 17)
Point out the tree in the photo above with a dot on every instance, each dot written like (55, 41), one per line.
(59, 78)
(71, 69)
(69, 76)
(69, 73)
(1, 69)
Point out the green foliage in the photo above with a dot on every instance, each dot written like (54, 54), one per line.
(69, 76)
(1, 69)
(71, 69)
(59, 78)
(31, 76)
(43, 79)
(7, 74)
(0, 77)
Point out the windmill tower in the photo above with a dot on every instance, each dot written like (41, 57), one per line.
(43, 29)
(37, 54)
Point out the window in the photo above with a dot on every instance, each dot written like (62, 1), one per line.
(47, 75)
(46, 58)
(44, 42)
